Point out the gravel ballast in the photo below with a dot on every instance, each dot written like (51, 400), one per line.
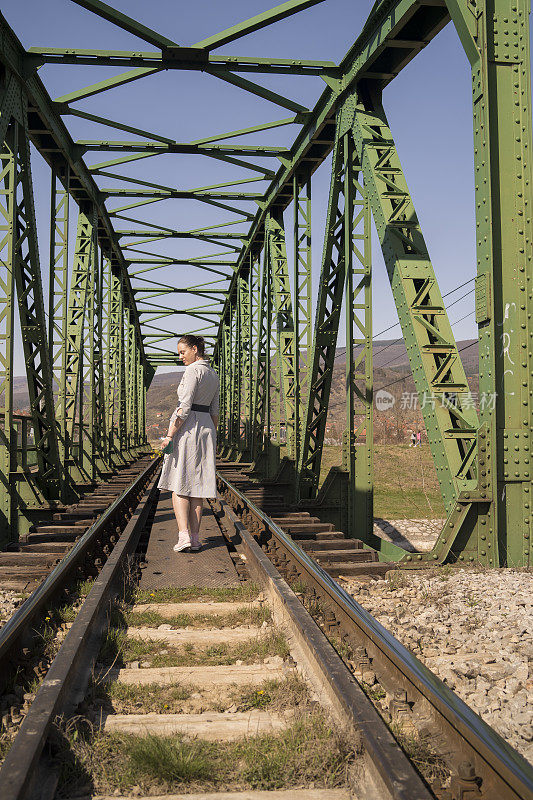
(9, 601)
(474, 629)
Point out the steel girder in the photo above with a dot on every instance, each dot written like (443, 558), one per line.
(330, 293)
(244, 326)
(115, 367)
(58, 296)
(358, 444)
(484, 465)
(302, 282)
(112, 316)
(437, 369)
(284, 329)
(77, 306)
(93, 439)
(483, 468)
(20, 272)
(261, 406)
(389, 41)
(51, 138)
(32, 318)
(8, 434)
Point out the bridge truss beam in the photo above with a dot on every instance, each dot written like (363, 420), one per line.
(100, 347)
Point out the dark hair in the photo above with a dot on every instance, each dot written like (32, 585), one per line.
(194, 341)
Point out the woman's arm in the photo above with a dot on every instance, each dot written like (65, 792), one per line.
(187, 390)
(174, 427)
(214, 409)
(176, 421)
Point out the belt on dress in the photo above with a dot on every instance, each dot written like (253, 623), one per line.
(197, 407)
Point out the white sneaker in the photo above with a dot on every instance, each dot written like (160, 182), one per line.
(184, 542)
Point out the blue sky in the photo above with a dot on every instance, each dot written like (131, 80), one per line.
(428, 105)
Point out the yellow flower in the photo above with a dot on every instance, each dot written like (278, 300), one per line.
(260, 691)
(47, 617)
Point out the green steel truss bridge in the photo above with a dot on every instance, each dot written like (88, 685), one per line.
(93, 340)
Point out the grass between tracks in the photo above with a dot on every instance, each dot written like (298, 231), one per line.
(246, 615)
(118, 648)
(240, 594)
(419, 747)
(272, 694)
(309, 751)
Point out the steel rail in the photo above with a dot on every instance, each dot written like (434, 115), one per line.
(384, 770)
(11, 632)
(501, 767)
(66, 681)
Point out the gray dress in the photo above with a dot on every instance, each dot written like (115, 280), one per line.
(190, 469)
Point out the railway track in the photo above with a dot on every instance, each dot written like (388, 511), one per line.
(86, 550)
(126, 701)
(480, 762)
(332, 549)
(27, 563)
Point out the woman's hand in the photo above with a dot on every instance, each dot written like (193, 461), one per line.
(165, 441)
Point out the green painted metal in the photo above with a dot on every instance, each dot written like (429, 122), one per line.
(438, 372)
(254, 285)
(358, 444)
(261, 406)
(101, 345)
(32, 317)
(8, 433)
(89, 435)
(330, 292)
(180, 58)
(101, 145)
(58, 300)
(246, 356)
(110, 83)
(256, 23)
(259, 91)
(302, 282)
(79, 289)
(491, 525)
(127, 23)
(286, 338)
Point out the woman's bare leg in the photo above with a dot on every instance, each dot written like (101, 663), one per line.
(180, 504)
(195, 518)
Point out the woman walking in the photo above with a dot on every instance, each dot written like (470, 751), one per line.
(189, 470)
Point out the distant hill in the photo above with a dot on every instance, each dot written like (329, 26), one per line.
(391, 371)
(392, 354)
(161, 400)
(21, 400)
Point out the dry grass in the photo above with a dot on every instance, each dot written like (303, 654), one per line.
(276, 695)
(246, 615)
(419, 749)
(310, 751)
(6, 740)
(240, 594)
(119, 698)
(119, 649)
(406, 485)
